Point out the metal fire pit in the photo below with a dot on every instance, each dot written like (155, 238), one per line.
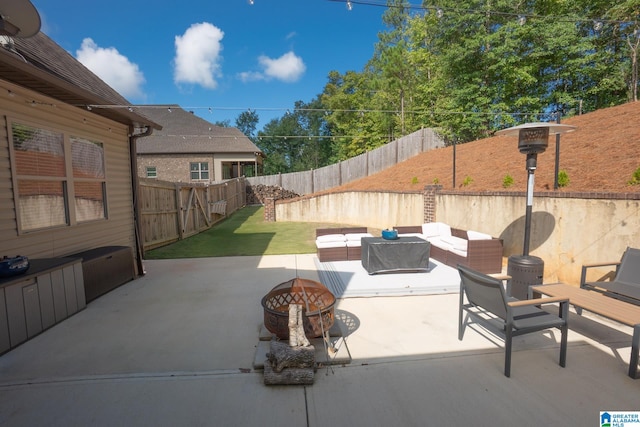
(316, 300)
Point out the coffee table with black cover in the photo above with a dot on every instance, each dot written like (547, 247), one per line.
(405, 254)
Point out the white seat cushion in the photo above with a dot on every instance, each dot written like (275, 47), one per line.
(331, 238)
(324, 245)
(437, 242)
(456, 243)
(458, 252)
(357, 236)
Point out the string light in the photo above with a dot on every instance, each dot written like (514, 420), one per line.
(349, 5)
(440, 11)
(326, 111)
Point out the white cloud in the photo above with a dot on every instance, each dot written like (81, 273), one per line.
(251, 76)
(288, 68)
(198, 58)
(114, 68)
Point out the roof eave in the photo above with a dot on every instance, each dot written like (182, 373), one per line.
(15, 70)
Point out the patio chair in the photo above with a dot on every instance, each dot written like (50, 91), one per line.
(489, 305)
(626, 282)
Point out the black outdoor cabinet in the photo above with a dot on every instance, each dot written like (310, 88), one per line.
(105, 269)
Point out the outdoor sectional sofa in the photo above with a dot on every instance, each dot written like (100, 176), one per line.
(453, 246)
(340, 244)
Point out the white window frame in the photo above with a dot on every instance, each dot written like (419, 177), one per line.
(200, 171)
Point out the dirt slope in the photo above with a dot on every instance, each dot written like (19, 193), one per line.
(601, 155)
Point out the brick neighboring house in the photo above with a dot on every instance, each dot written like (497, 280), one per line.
(190, 149)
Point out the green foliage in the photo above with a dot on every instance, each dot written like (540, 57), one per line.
(295, 141)
(507, 181)
(468, 73)
(247, 122)
(635, 178)
(563, 178)
(414, 180)
(436, 181)
(467, 181)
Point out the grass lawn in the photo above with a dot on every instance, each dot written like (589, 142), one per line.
(245, 233)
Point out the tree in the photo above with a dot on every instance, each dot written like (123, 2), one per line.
(296, 141)
(223, 123)
(247, 122)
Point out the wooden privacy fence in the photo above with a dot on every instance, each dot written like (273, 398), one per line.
(369, 163)
(171, 211)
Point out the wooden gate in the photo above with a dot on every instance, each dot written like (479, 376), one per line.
(173, 211)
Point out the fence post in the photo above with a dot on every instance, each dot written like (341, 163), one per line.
(430, 192)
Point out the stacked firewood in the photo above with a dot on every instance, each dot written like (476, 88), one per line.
(257, 193)
(293, 362)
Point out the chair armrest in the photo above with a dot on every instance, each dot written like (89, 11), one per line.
(563, 310)
(500, 276)
(537, 301)
(585, 267)
(601, 264)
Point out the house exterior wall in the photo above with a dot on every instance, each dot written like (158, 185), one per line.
(118, 229)
(174, 167)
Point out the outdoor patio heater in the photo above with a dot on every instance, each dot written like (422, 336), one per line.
(533, 138)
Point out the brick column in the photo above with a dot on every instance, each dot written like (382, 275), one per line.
(430, 192)
(269, 209)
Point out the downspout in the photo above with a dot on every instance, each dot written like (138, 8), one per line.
(135, 182)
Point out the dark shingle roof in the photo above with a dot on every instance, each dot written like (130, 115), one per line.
(38, 63)
(184, 132)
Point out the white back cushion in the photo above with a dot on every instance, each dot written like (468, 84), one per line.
(476, 235)
(436, 229)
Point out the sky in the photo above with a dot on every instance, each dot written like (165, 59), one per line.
(216, 58)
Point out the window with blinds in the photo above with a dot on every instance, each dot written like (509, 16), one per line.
(59, 179)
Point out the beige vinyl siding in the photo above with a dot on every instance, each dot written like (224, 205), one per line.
(117, 229)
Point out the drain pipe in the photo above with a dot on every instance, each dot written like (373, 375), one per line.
(135, 182)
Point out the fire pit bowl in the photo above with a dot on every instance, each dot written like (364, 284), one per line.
(317, 304)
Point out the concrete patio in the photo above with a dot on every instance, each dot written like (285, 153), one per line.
(177, 346)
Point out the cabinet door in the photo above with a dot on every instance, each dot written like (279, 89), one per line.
(32, 317)
(5, 344)
(70, 290)
(79, 283)
(45, 292)
(59, 300)
(15, 311)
